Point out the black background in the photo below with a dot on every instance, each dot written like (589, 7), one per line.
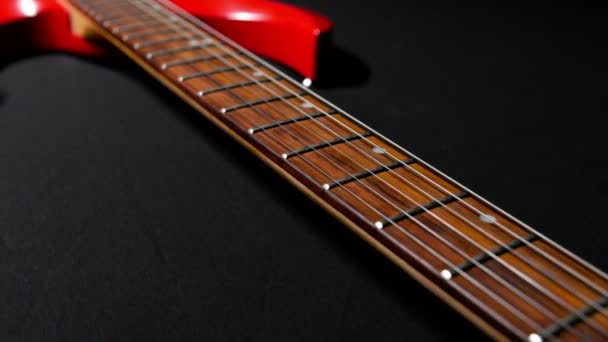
(125, 216)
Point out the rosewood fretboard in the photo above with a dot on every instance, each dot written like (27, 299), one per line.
(506, 277)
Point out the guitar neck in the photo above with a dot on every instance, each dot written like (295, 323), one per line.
(504, 276)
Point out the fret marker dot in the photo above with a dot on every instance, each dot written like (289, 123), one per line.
(307, 105)
(379, 225)
(326, 186)
(487, 218)
(307, 82)
(258, 74)
(535, 338)
(284, 155)
(379, 150)
(250, 131)
(445, 274)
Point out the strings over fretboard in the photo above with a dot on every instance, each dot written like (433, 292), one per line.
(505, 273)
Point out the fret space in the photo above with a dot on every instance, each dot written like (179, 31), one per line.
(285, 122)
(594, 310)
(349, 161)
(172, 49)
(148, 33)
(242, 85)
(269, 120)
(393, 192)
(207, 57)
(190, 64)
(302, 138)
(408, 214)
(367, 173)
(563, 297)
(324, 144)
(498, 251)
(247, 92)
(451, 235)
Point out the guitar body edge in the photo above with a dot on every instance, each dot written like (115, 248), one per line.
(283, 33)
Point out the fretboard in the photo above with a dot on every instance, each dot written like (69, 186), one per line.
(506, 277)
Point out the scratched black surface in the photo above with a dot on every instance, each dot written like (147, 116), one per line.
(124, 216)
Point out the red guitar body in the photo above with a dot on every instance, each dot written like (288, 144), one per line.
(283, 33)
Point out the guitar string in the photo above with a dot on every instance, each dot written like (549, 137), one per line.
(168, 4)
(402, 246)
(549, 275)
(313, 165)
(532, 246)
(465, 203)
(218, 84)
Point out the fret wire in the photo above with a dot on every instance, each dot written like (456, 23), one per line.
(191, 46)
(212, 72)
(537, 250)
(152, 32)
(168, 65)
(255, 103)
(119, 16)
(574, 318)
(557, 299)
(323, 144)
(149, 43)
(489, 310)
(131, 27)
(286, 121)
(364, 174)
(112, 5)
(435, 203)
(498, 251)
(556, 262)
(228, 87)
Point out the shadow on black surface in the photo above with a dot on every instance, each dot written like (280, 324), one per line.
(339, 67)
(7, 60)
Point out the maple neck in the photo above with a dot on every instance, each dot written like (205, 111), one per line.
(507, 278)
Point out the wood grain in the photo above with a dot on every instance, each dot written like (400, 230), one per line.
(510, 293)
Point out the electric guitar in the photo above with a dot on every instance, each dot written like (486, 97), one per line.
(507, 278)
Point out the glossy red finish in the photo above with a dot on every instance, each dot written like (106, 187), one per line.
(280, 32)
(42, 25)
(283, 33)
